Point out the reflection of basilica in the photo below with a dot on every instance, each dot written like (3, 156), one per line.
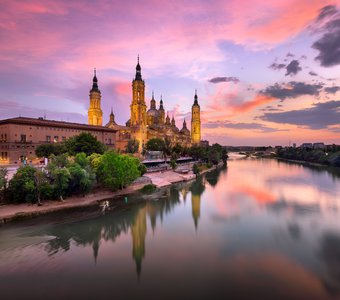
(95, 232)
(197, 188)
(138, 233)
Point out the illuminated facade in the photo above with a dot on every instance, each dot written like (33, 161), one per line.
(195, 122)
(95, 113)
(147, 124)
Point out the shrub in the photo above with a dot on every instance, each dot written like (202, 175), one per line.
(142, 169)
(173, 164)
(3, 183)
(22, 187)
(195, 169)
(148, 189)
(94, 160)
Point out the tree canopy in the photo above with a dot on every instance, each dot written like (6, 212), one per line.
(84, 142)
(116, 170)
(46, 150)
(132, 146)
(155, 144)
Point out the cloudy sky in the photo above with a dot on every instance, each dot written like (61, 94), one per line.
(266, 72)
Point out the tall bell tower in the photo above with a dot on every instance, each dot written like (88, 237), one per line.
(95, 113)
(138, 118)
(195, 121)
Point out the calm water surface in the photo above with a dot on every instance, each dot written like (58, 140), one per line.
(256, 229)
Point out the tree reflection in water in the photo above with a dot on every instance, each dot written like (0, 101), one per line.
(111, 225)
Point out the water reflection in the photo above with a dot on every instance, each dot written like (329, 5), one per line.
(330, 256)
(110, 226)
(197, 188)
(257, 229)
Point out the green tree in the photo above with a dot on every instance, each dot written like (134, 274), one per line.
(155, 144)
(3, 183)
(195, 169)
(173, 164)
(198, 152)
(82, 176)
(167, 147)
(46, 150)
(116, 171)
(94, 160)
(59, 161)
(84, 142)
(41, 182)
(81, 160)
(132, 146)
(177, 149)
(142, 169)
(60, 178)
(81, 179)
(214, 156)
(22, 186)
(334, 159)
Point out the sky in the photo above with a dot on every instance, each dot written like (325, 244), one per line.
(266, 72)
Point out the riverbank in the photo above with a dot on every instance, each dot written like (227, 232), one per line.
(305, 163)
(16, 212)
(169, 177)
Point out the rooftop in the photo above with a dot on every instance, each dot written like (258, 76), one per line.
(63, 124)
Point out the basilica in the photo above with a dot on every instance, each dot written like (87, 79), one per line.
(20, 136)
(145, 124)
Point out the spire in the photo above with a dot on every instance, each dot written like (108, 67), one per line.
(184, 124)
(112, 117)
(95, 82)
(153, 102)
(138, 70)
(173, 122)
(196, 98)
(161, 104)
(167, 120)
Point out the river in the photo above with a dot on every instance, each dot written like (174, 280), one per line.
(255, 229)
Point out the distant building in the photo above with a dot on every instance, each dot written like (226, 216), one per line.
(204, 143)
(319, 146)
(307, 146)
(294, 145)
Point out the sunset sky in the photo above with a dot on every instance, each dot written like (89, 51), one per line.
(266, 72)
